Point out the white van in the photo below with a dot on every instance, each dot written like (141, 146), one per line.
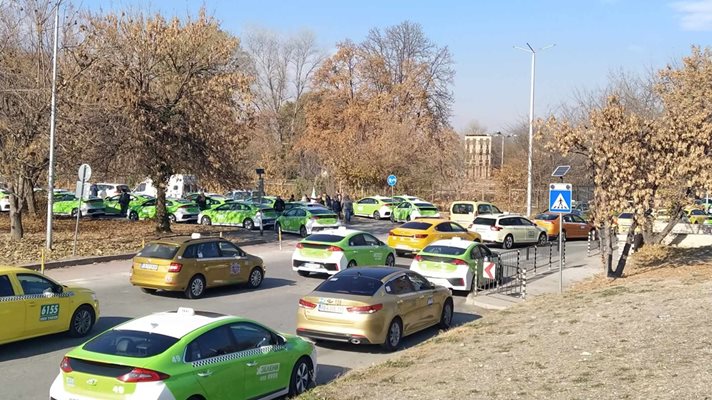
(464, 212)
(178, 186)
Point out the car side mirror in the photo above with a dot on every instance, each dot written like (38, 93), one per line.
(281, 341)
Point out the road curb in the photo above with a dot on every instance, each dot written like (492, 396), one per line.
(492, 302)
(101, 259)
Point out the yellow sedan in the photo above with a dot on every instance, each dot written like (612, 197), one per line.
(413, 236)
(32, 305)
(373, 305)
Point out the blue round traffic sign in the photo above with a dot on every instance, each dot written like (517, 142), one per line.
(392, 180)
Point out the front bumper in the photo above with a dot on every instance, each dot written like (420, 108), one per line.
(186, 217)
(4, 206)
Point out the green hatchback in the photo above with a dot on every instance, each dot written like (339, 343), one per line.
(178, 210)
(334, 250)
(238, 213)
(68, 204)
(187, 354)
(307, 220)
(410, 210)
(375, 206)
(112, 207)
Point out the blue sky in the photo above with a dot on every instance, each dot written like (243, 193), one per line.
(593, 38)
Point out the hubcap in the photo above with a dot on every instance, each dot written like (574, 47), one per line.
(255, 278)
(448, 314)
(302, 377)
(509, 242)
(197, 287)
(390, 261)
(394, 337)
(82, 322)
(206, 221)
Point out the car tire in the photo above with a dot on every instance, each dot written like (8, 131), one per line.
(543, 238)
(304, 273)
(196, 287)
(390, 260)
(73, 213)
(172, 218)
(303, 231)
(255, 279)
(393, 335)
(82, 321)
(446, 315)
(148, 290)
(376, 215)
(248, 224)
(133, 216)
(393, 218)
(206, 221)
(302, 377)
(508, 242)
(351, 264)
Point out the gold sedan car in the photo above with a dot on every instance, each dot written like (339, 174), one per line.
(373, 305)
(192, 264)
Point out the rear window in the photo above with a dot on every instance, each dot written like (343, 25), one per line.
(462, 208)
(320, 237)
(697, 212)
(421, 226)
(159, 250)
(387, 200)
(358, 285)
(424, 205)
(321, 211)
(547, 217)
(626, 215)
(125, 343)
(484, 221)
(445, 250)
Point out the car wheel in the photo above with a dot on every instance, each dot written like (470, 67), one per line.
(394, 335)
(196, 287)
(446, 315)
(172, 218)
(248, 224)
(393, 218)
(508, 242)
(206, 221)
(82, 321)
(256, 277)
(390, 260)
(302, 377)
(376, 215)
(304, 273)
(133, 216)
(74, 212)
(303, 231)
(542, 239)
(148, 290)
(351, 264)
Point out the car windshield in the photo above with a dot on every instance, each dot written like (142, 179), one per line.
(388, 200)
(183, 201)
(159, 250)
(358, 285)
(484, 221)
(322, 237)
(126, 343)
(419, 226)
(320, 211)
(423, 205)
(626, 215)
(445, 250)
(547, 217)
(697, 212)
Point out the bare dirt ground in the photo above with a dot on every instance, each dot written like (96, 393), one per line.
(97, 237)
(646, 336)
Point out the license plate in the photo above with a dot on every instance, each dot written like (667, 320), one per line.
(402, 247)
(330, 308)
(312, 265)
(150, 267)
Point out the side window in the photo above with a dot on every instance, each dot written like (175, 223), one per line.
(456, 227)
(5, 286)
(249, 336)
(191, 251)
(444, 227)
(578, 219)
(483, 209)
(213, 343)
(289, 212)
(507, 222)
(475, 253)
(399, 285)
(496, 210)
(300, 213)
(370, 240)
(208, 250)
(141, 187)
(525, 222)
(419, 283)
(357, 240)
(567, 218)
(229, 250)
(33, 284)
(485, 251)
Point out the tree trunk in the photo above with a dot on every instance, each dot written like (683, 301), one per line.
(16, 230)
(163, 224)
(606, 234)
(675, 216)
(618, 272)
(30, 200)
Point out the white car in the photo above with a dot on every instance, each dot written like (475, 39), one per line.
(508, 230)
(110, 189)
(4, 200)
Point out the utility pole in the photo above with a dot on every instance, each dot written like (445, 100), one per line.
(52, 126)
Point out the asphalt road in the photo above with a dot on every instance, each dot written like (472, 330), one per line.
(28, 368)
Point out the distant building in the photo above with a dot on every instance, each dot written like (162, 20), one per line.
(478, 158)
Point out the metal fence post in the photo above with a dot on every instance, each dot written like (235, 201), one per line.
(476, 286)
(588, 249)
(535, 250)
(524, 283)
(550, 256)
(519, 268)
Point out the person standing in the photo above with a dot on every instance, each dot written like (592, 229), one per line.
(124, 201)
(291, 198)
(327, 201)
(94, 190)
(348, 207)
(201, 201)
(279, 204)
(336, 206)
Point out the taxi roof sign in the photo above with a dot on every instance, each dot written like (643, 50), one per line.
(195, 236)
(185, 311)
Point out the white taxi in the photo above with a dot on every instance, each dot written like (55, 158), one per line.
(508, 230)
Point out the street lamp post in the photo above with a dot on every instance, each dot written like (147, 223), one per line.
(501, 160)
(530, 49)
(50, 175)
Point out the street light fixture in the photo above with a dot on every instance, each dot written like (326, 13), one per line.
(530, 49)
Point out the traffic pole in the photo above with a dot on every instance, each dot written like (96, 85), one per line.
(561, 252)
(79, 213)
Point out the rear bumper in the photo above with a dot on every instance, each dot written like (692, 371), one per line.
(186, 217)
(333, 337)
(321, 267)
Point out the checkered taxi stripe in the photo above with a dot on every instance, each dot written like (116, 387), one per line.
(6, 299)
(237, 356)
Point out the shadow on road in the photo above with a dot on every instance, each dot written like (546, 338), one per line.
(327, 373)
(51, 343)
(268, 283)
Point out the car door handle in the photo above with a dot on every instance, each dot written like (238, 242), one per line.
(32, 304)
(251, 363)
(399, 302)
(205, 374)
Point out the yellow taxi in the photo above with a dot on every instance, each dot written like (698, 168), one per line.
(32, 305)
(413, 236)
(192, 264)
(696, 215)
(373, 305)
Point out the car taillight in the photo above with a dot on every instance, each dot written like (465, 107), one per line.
(365, 309)
(418, 258)
(421, 236)
(142, 375)
(334, 248)
(175, 267)
(457, 261)
(306, 304)
(495, 228)
(184, 207)
(65, 365)
(300, 245)
(391, 234)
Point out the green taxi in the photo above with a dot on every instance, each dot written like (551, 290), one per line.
(211, 200)
(178, 210)
(238, 213)
(187, 354)
(334, 250)
(410, 210)
(68, 204)
(307, 220)
(112, 207)
(375, 206)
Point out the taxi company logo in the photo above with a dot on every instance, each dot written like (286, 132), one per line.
(268, 369)
(92, 382)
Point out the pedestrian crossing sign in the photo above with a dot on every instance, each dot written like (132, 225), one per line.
(560, 197)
